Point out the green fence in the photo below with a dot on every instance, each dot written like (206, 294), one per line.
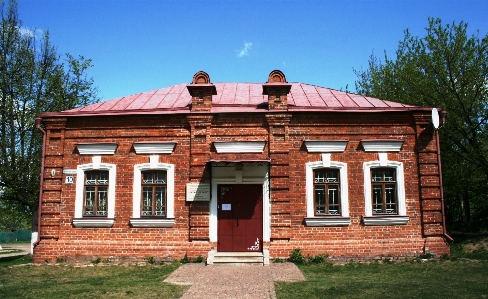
(20, 235)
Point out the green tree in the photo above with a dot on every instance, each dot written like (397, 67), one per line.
(448, 69)
(33, 79)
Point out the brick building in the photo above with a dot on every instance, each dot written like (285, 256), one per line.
(240, 169)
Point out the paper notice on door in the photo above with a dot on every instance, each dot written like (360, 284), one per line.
(226, 207)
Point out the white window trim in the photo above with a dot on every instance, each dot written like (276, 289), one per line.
(401, 218)
(79, 220)
(136, 220)
(311, 219)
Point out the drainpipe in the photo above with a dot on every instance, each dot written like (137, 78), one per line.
(38, 125)
(444, 231)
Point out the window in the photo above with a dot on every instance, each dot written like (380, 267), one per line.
(153, 193)
(326, 192)
(96, 189)
(95, 194)
(383, 187)
(384, 193)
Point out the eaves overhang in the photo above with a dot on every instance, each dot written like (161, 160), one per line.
(216, 109)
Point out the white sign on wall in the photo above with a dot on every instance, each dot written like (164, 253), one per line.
(197, 192)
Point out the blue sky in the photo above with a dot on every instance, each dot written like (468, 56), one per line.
(137, 46)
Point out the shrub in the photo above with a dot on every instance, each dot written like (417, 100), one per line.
(296, 256)
(199, 259)
(318, 259)
(185, 259)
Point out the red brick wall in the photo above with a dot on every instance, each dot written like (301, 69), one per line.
(284, 133)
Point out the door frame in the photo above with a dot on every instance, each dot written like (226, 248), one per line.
(213, 235)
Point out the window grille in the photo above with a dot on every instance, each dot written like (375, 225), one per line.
(326, 192)
(384, 191)
(96, 193)
(153, 201)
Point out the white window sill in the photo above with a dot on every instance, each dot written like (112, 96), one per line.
(93, 222)
(385, 220)
(141, 222)
(327, 221)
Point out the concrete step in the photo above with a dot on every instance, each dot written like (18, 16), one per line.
(238, 258)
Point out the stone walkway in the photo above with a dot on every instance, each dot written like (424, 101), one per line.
(229, 281)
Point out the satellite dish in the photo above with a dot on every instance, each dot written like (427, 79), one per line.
(435, 118)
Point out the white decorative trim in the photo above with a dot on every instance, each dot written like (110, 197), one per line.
(383, 158)
(239, 146)
(80, 180)
(170, 186)
(309, 168)
(385, 220)
(93, 222)
(386, 145)
(96, 148)
(326, 160)
(141, 222)
(150, 147)
(325, 146)
(402, 210)
(328, 221)
(96, 160)
(255, 246)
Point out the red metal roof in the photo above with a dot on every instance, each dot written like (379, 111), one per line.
(237, 97)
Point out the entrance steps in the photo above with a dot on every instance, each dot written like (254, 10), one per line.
(238, 258)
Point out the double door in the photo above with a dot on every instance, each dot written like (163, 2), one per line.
(240, 217)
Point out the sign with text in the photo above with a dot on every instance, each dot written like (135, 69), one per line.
(197, 192)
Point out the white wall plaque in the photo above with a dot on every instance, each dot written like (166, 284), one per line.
(69, 171)
(226, 207)
(197, 192)
(70, 179)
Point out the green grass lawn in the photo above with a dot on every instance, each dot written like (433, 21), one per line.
(50, 281)
(432, 279)
(465, 275)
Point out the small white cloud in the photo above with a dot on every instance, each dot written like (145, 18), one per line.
(24, 31)
(245, 50)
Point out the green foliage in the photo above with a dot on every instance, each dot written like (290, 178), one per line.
(296, 256)
(278, 260)
(449, 69)
(198, 260)
(33, 80)
(97, 260)
(150, 260)
(185, 259)
(60, 259)
(318, 259)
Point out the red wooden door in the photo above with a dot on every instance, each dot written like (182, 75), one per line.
(240, 218)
